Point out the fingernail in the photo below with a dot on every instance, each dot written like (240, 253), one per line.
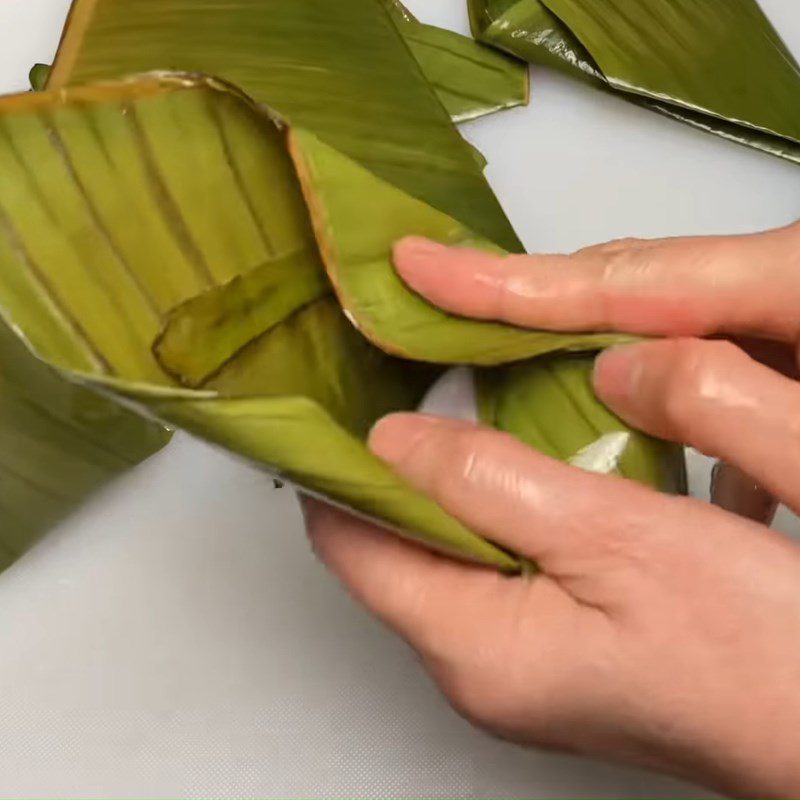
(617, 371)
(396, 437)
(392, 437)
(415, 249)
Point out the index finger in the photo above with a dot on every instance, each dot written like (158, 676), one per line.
(746, 285)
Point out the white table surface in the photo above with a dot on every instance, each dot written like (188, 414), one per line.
(177, 639)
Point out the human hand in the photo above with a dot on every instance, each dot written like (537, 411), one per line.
(661, 630)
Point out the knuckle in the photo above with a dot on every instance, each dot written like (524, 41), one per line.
(614, 246)
(691, 378)
(461, 464)
(627, 265)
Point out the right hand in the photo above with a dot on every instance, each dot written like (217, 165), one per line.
(661, 631)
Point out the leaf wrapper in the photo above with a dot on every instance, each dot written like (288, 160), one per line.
(112, 240)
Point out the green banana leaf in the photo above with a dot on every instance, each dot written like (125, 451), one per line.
(59, 442)
(471, 80)
(528, 399)
(109, 229)
(341, 71)
(730, 74)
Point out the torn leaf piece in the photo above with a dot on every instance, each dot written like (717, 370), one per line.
(38, 76)
(205, 332)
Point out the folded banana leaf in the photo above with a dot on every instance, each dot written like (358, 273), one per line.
(355, 238)
(528, 399)
(472, 80)
(125, 209)
(717, 65)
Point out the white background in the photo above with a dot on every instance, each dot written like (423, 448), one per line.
(177, 639)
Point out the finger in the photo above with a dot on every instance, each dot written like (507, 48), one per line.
(433, 602)
(714, 397)
(676, 287)
(555, 514)
(735, 491)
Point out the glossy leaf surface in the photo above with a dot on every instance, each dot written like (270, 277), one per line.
(718, 66)
(471, 80)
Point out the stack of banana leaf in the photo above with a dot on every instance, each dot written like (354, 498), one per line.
(718, 65)
(196, 221)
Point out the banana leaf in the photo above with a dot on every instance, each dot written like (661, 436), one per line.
(316, 69)
(171, 202)
(471, 80)
(528, 399)
(59, 442)
(126, 208)
(138, 274)
(719, 65)
(341, 71)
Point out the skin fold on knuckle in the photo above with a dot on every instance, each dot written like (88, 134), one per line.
(488, 465)
(689, 387)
